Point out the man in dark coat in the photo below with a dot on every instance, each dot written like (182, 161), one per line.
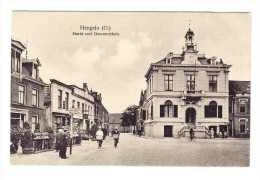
(63, 145)
(191, 134)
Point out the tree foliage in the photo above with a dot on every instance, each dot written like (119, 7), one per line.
(129, 116)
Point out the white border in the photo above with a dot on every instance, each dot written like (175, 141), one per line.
(46, 172)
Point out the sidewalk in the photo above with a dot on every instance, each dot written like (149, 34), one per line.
(79, 153)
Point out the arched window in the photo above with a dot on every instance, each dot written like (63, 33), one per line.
(168, 109)
(213, 110)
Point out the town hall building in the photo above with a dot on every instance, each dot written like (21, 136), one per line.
(183, 91)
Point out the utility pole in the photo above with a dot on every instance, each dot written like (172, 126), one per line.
(233, 113)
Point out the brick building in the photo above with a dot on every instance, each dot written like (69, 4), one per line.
(27, 89)
(100, 112)
(239, 108)
(186, 90)
(115, 122)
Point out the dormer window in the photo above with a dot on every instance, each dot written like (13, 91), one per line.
(16, 61)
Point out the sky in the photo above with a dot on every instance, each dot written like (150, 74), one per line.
(115, 65)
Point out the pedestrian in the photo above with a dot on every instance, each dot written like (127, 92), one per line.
(191, 134)
(223, 133)
(211, 133)
(58, 140)
(104, 133)
(99, 137)
(63, 144)
(116, 135)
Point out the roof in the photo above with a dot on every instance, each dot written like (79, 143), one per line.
(18, 44)
(60, 83)
(35, 61)
(115, 118)
(236, 87)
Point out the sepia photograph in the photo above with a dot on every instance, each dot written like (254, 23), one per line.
(129, 90)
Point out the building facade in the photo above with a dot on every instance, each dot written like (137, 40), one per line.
(186, 90)
(69, 106)
(27, 89)
(101, 115)
(239, 108)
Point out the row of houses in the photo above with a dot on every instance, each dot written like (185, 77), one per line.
(55, 104)
(190, 90)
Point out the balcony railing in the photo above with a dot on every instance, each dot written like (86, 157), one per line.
(193, 93)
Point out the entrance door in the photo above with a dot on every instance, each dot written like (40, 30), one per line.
(190, 116)
(168, 131)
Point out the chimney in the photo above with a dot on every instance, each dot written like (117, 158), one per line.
(85, 86)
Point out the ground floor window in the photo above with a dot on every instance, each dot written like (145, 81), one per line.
(35, 124)
(242, 125)
(213, 110)
(168, 110)
(17, 119)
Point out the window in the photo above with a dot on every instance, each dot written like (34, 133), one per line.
(21, 94)
(96, 109)
(17, 119)
(63, 105)
(151, 84)
(78, 104)
(168, 110)
(67, 101)
(242, 126)
(242, 106)
(213, 83)
(15, 60)
(64, 121)
(73, 103)
(144, 114)
(34, 97)
(60, 99)
(35, 123)
(213, 110)
(168, 82)
(83, 107)
(191, 83)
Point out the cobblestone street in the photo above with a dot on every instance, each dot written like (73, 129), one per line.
(139, 151)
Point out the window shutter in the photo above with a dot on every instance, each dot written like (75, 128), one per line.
(151, 111)
(206, 111)
(219, 111)
(175, 113)
(161, 110)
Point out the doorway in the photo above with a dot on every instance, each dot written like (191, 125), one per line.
(168, 131)
(190, 116)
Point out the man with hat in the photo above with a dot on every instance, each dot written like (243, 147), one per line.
(63, 143)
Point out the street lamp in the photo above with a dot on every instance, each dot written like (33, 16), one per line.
(233, 98)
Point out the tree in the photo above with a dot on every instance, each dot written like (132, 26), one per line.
(129, 116)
